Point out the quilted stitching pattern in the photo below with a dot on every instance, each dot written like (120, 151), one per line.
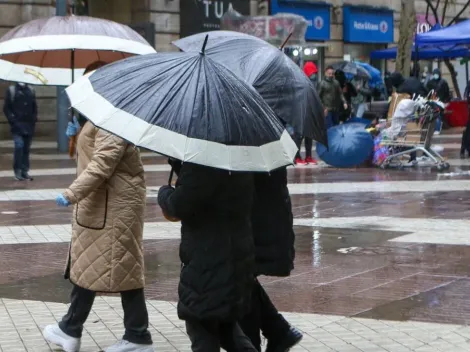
(108, 259)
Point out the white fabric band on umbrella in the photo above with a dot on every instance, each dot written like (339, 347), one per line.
(53, 45)
(77, 42)
(235, 158)
(37, 75)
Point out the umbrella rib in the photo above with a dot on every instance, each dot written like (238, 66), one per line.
(199, 62)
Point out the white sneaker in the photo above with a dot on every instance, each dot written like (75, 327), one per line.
(126, 346)
(53, 334)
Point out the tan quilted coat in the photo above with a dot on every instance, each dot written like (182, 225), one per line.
(109, 194)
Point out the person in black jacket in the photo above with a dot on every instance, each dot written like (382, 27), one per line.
(216, 251)
(388, 83)
(465, 147)
(349, 92)
(21, 110)
(274, 237)
(410, 85)
(440, 86)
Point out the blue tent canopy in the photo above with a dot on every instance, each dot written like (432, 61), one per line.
(453, 35)
(445, 52)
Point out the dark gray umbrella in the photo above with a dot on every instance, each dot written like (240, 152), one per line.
(186, 106)
(352, 68)
(283, 85)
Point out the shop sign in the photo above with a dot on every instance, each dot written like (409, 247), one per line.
(198, 16)
(364, 25)
(424, 25)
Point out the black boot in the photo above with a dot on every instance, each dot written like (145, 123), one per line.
(26, 176)
(286, 342)
(19, 175)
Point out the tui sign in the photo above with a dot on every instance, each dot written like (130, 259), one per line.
(198, 16)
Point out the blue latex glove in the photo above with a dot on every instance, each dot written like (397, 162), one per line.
(72, 128)
(61, 201)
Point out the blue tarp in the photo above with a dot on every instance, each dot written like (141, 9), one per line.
(449, 52)
(453, 35)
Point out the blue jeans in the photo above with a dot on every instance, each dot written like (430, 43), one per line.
(21, 153)
(359, 110)
(438, 126)
(332, 119)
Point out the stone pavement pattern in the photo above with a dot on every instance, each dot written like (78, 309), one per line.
(382, 262)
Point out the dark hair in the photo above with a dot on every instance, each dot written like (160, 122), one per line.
(94, 66)
(329, 68)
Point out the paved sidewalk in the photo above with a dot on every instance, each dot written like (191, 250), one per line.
(21, 323)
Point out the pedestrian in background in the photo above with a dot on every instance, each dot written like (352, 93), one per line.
(465, 147)
(21, 110)
(440, 86)
(106, 249)
(311, 71)
(349, 91)
(332, 97)
(359, 101)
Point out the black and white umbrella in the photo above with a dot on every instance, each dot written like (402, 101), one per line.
(188, 107)
(52, 51)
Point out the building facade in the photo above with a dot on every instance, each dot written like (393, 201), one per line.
(337, 29)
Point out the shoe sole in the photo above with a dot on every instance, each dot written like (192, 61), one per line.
(57, 340)
(290, 345)
(146, 349)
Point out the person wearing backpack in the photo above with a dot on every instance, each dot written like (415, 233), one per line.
(21, 110)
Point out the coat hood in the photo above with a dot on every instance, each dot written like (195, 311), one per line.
(310, 68)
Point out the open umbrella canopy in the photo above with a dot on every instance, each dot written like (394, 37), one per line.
(349, 67)
(283, 85)
(188, 107)
(51, 51)
(350, 145)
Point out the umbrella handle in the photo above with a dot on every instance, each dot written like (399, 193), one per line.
(171, 176)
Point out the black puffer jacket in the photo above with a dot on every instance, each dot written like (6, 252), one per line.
(410, 85)
(216, 250)
(272, 221)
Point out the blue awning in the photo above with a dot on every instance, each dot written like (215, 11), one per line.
(453, 35)
(445, 52)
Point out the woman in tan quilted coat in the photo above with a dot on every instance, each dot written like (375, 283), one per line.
(106, 253)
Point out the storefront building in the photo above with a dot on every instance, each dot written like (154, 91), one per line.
(366, 29)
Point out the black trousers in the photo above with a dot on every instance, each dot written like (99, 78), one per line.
(263, 316)
(465, 147)
(308, 146)
(136, 319)
(211, 336)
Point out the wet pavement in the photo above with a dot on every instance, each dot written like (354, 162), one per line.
(373, 247)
